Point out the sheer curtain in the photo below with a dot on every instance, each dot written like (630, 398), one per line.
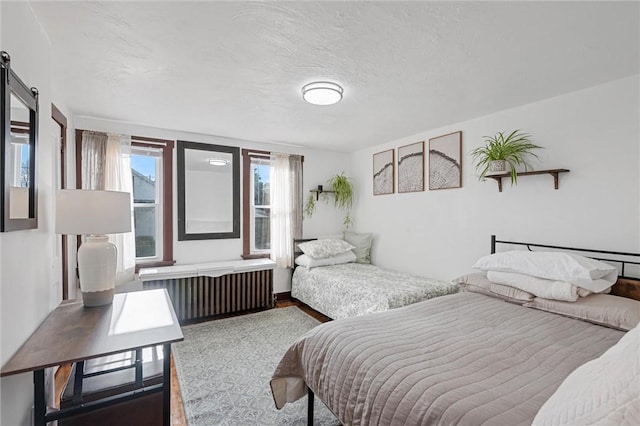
(106, 165)
(286, 207)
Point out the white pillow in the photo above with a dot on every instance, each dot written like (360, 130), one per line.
(320, 249)
(541, 287)
(580, 271)
(604, 391)
(310, 262)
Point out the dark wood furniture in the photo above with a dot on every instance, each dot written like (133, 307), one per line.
(552, 172)
(73, 333)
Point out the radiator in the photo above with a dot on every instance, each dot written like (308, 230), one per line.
(200, 297)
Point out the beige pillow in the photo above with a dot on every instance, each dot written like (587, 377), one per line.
(478, 282)
(602, 309)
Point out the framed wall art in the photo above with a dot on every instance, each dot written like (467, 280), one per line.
(411, 168)
(383, 172)
(445, 161)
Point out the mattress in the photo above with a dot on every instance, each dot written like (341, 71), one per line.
(466, 359)
(352, 289)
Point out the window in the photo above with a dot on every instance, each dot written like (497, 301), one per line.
(256, 170)
(151, 169)
(146, 167)
(260, 208)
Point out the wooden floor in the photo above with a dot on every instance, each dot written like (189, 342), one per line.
(178, 417)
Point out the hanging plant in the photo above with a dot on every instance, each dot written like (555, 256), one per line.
(342, 191)
(310, 206)
(342, 197)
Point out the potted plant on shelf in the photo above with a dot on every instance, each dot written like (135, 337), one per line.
(500, 150)
(342, 191)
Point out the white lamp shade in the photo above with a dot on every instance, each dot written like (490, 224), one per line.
(86, 212)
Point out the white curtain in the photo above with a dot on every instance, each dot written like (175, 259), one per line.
(286, 207)
(106, 165)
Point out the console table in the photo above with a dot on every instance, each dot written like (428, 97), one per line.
(73, 333)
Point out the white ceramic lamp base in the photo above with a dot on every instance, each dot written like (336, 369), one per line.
(97, 268)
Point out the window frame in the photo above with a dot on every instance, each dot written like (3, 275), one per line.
(247, 205)
(167, 191)
(157, 154)
(167, 197)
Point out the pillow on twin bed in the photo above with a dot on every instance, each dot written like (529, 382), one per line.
(362, 243)
(321, 249)
(310, 262)
(590, 274)
(602, 309)
(478, 282)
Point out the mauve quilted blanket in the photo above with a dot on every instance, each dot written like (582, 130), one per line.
(465, 359)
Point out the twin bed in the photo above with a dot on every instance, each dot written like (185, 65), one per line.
(352, 289)
(465, 358)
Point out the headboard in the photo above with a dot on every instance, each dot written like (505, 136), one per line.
(628, 284)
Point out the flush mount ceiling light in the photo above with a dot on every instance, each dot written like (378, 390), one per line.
(218, 161)
(322, 93)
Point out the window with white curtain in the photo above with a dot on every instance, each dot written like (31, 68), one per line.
(272, 204)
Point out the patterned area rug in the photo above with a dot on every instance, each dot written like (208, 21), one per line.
(224, 368)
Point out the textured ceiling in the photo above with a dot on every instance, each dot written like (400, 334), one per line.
(235, 69)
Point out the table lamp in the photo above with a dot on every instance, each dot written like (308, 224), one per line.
(94, 213)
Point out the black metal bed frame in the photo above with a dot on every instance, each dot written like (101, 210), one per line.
(622, 262)
(529, 246)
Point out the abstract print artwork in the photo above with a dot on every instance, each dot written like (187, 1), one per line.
(445, 161)
(383, 172)
(411, 168)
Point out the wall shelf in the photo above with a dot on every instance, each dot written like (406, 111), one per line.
(552, 172)
(319, 191)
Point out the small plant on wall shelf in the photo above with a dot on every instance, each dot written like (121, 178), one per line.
(500, 150)
(342, 192)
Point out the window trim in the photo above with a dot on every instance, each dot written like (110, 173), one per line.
(157, 154)
(167, 187)
(247, 155)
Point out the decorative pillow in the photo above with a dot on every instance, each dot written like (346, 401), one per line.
(478, 282)
(580, 271)
(310, 262)
(362, 243)
(604, 391)
(541, 287)
(320, 249)
(602, 309)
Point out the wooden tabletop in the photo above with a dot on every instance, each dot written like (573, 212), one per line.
(73, 333)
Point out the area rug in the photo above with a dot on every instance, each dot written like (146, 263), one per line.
(224, 367)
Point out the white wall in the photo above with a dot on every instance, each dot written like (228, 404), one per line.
(319, 166)
(594, 133)
(29, 274)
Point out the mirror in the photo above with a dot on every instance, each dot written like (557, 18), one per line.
(208, 191)
(19, 136)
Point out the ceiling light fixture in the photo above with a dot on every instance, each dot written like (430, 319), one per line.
(218, 161)
(322, 93)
